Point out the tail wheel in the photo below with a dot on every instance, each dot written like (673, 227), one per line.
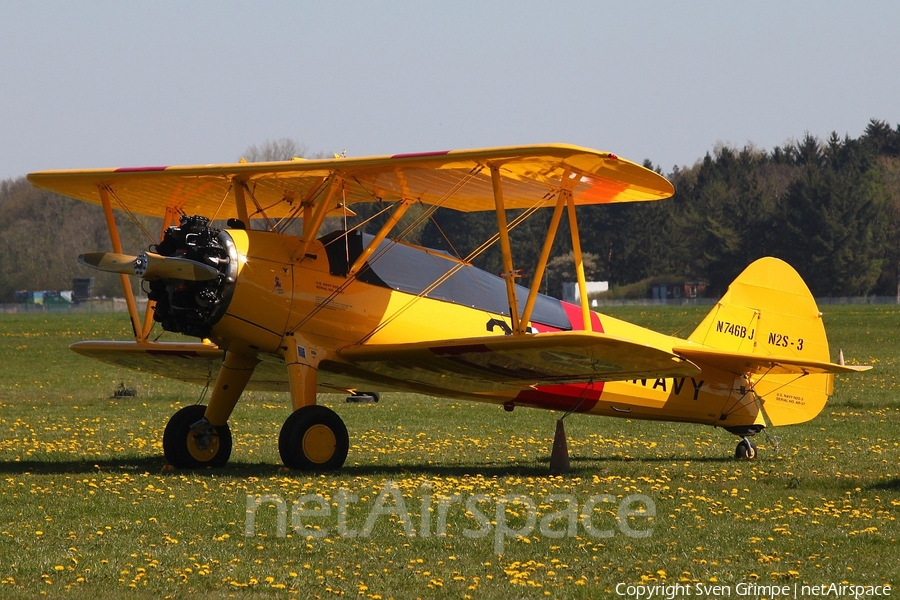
(746, 450)
(190, 442)
(314, 438)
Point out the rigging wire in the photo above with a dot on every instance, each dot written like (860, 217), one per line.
(286, 221)
(222, 203)
(751, 389)
(131, 215)
(259, 209)
(581, 398)
(346, 237)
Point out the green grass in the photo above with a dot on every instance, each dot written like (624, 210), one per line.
(86, 509)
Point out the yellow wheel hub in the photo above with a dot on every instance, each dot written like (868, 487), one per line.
(319, 443)
(202, 445)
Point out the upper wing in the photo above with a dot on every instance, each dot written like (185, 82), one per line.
(741, 363)
(517, 362)
(460, 180)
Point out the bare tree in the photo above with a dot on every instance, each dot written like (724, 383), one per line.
(561, 269)
(280, 149)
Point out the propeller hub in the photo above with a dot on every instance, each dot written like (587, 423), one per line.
(141, 263)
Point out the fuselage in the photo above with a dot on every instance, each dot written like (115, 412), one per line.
(285, 288)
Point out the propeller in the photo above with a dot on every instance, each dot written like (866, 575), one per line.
(148, 265)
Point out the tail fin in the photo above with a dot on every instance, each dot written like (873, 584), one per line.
(768, 314)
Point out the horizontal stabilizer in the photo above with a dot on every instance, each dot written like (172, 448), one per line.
(518, 362)
(741, 363)
(148, 265)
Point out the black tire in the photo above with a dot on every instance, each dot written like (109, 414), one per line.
(746, 450)
(203, 446)
(314, 438)
(364, 397)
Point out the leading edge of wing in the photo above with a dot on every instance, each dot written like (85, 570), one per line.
(742, 363)
(518, 362)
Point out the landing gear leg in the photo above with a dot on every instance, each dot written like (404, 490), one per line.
(198, 436)
(746, 449)
(313, 438)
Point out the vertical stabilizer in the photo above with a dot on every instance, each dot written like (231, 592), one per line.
(769, 311)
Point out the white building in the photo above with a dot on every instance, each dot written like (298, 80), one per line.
(571, 292)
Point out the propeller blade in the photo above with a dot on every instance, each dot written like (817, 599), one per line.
(148, 265)
(109, 262)
(156, 266)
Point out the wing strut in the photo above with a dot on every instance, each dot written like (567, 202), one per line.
(395, 217)
(240, 201)
(508, 273)
(579, 264)
(169, 219)
(136, 325)
(542, 261)
(310, 228)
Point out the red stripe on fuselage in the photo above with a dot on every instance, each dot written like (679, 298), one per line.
(577, 397)
(576, 323)
(574, 314)
(573, 396)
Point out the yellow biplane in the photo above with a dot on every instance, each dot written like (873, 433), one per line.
(349, 310)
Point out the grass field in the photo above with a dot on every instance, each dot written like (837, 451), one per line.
(87, 510)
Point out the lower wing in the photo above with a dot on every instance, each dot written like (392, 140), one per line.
(497, 363)
(193, 362)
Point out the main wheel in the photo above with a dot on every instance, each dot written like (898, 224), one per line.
(746, 450)
(314, 438)
(190, 442)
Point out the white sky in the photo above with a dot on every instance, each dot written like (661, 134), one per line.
(105, 84)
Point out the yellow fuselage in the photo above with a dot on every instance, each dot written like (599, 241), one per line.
(280, 294)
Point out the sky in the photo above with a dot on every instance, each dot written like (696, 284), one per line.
(107, 84)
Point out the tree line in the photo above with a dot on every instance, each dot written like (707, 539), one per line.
(830, 208)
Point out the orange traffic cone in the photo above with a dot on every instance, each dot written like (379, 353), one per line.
(559, 456)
